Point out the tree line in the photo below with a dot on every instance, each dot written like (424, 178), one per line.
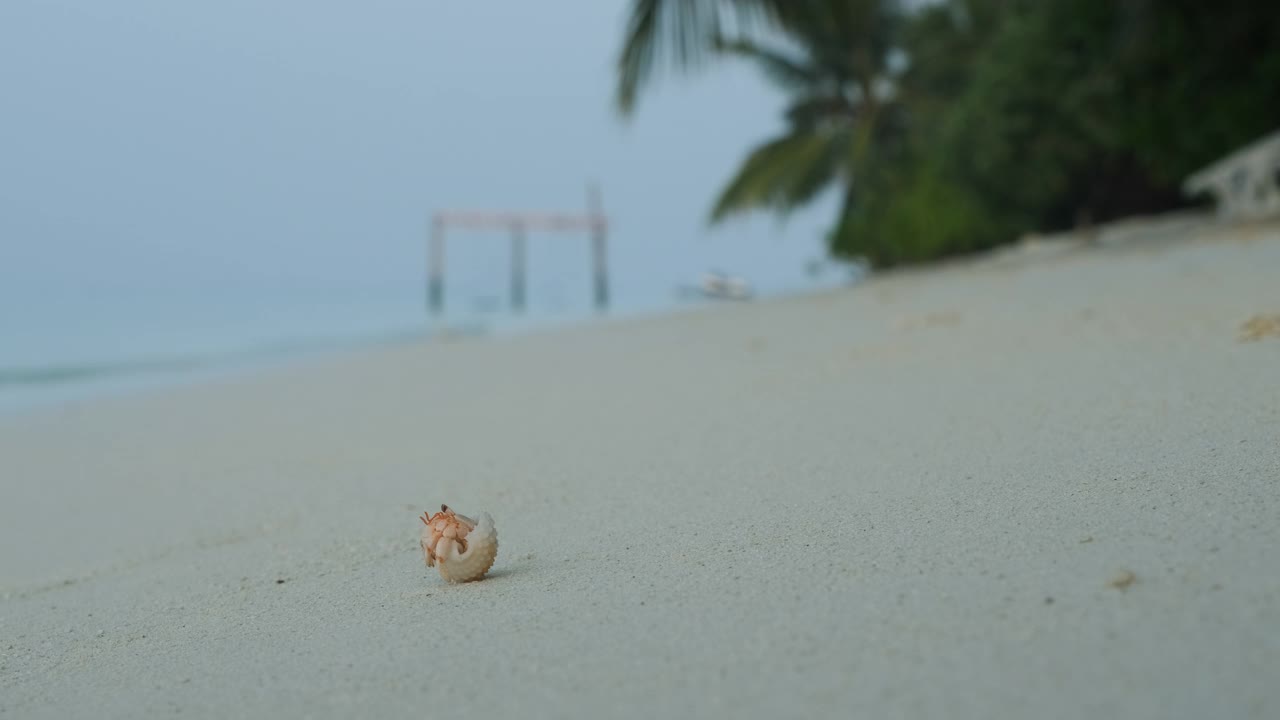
(953, 126)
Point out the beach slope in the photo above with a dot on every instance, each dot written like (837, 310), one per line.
(1043, 484)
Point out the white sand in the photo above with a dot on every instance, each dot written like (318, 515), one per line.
(902, 500)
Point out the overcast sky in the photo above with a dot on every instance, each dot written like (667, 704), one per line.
(150, 145)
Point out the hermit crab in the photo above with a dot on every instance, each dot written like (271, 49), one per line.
(461, 548)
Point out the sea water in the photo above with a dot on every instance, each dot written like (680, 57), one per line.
(57, 348)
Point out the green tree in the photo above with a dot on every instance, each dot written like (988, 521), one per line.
(1037, 115)
(680, 34)
(841, 108)
(830, 56)
(1010, 115)
(912, 207)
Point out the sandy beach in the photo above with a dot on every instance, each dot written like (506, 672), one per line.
(1041, 484)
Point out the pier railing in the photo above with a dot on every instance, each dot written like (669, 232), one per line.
(519, 225)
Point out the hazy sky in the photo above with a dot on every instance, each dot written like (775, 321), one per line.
(150, 145)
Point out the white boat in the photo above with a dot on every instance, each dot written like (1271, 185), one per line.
(720, 285)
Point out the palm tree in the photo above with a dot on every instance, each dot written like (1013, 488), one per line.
(830, 56)
(681, 33)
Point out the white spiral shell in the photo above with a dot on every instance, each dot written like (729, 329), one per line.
(461, 548)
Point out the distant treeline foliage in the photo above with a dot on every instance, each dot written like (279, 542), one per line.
(963, 124)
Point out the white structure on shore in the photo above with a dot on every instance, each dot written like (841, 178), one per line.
(1246, 183)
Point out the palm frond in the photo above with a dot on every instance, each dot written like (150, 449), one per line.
(813, 111)
(787, 73)
(680, 33)
(784, 173)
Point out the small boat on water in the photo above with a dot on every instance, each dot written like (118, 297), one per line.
(718, 286)
(724, 286)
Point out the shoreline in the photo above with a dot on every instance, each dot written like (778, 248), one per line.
(51, 387)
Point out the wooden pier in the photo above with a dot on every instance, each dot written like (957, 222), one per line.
(519, 225)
